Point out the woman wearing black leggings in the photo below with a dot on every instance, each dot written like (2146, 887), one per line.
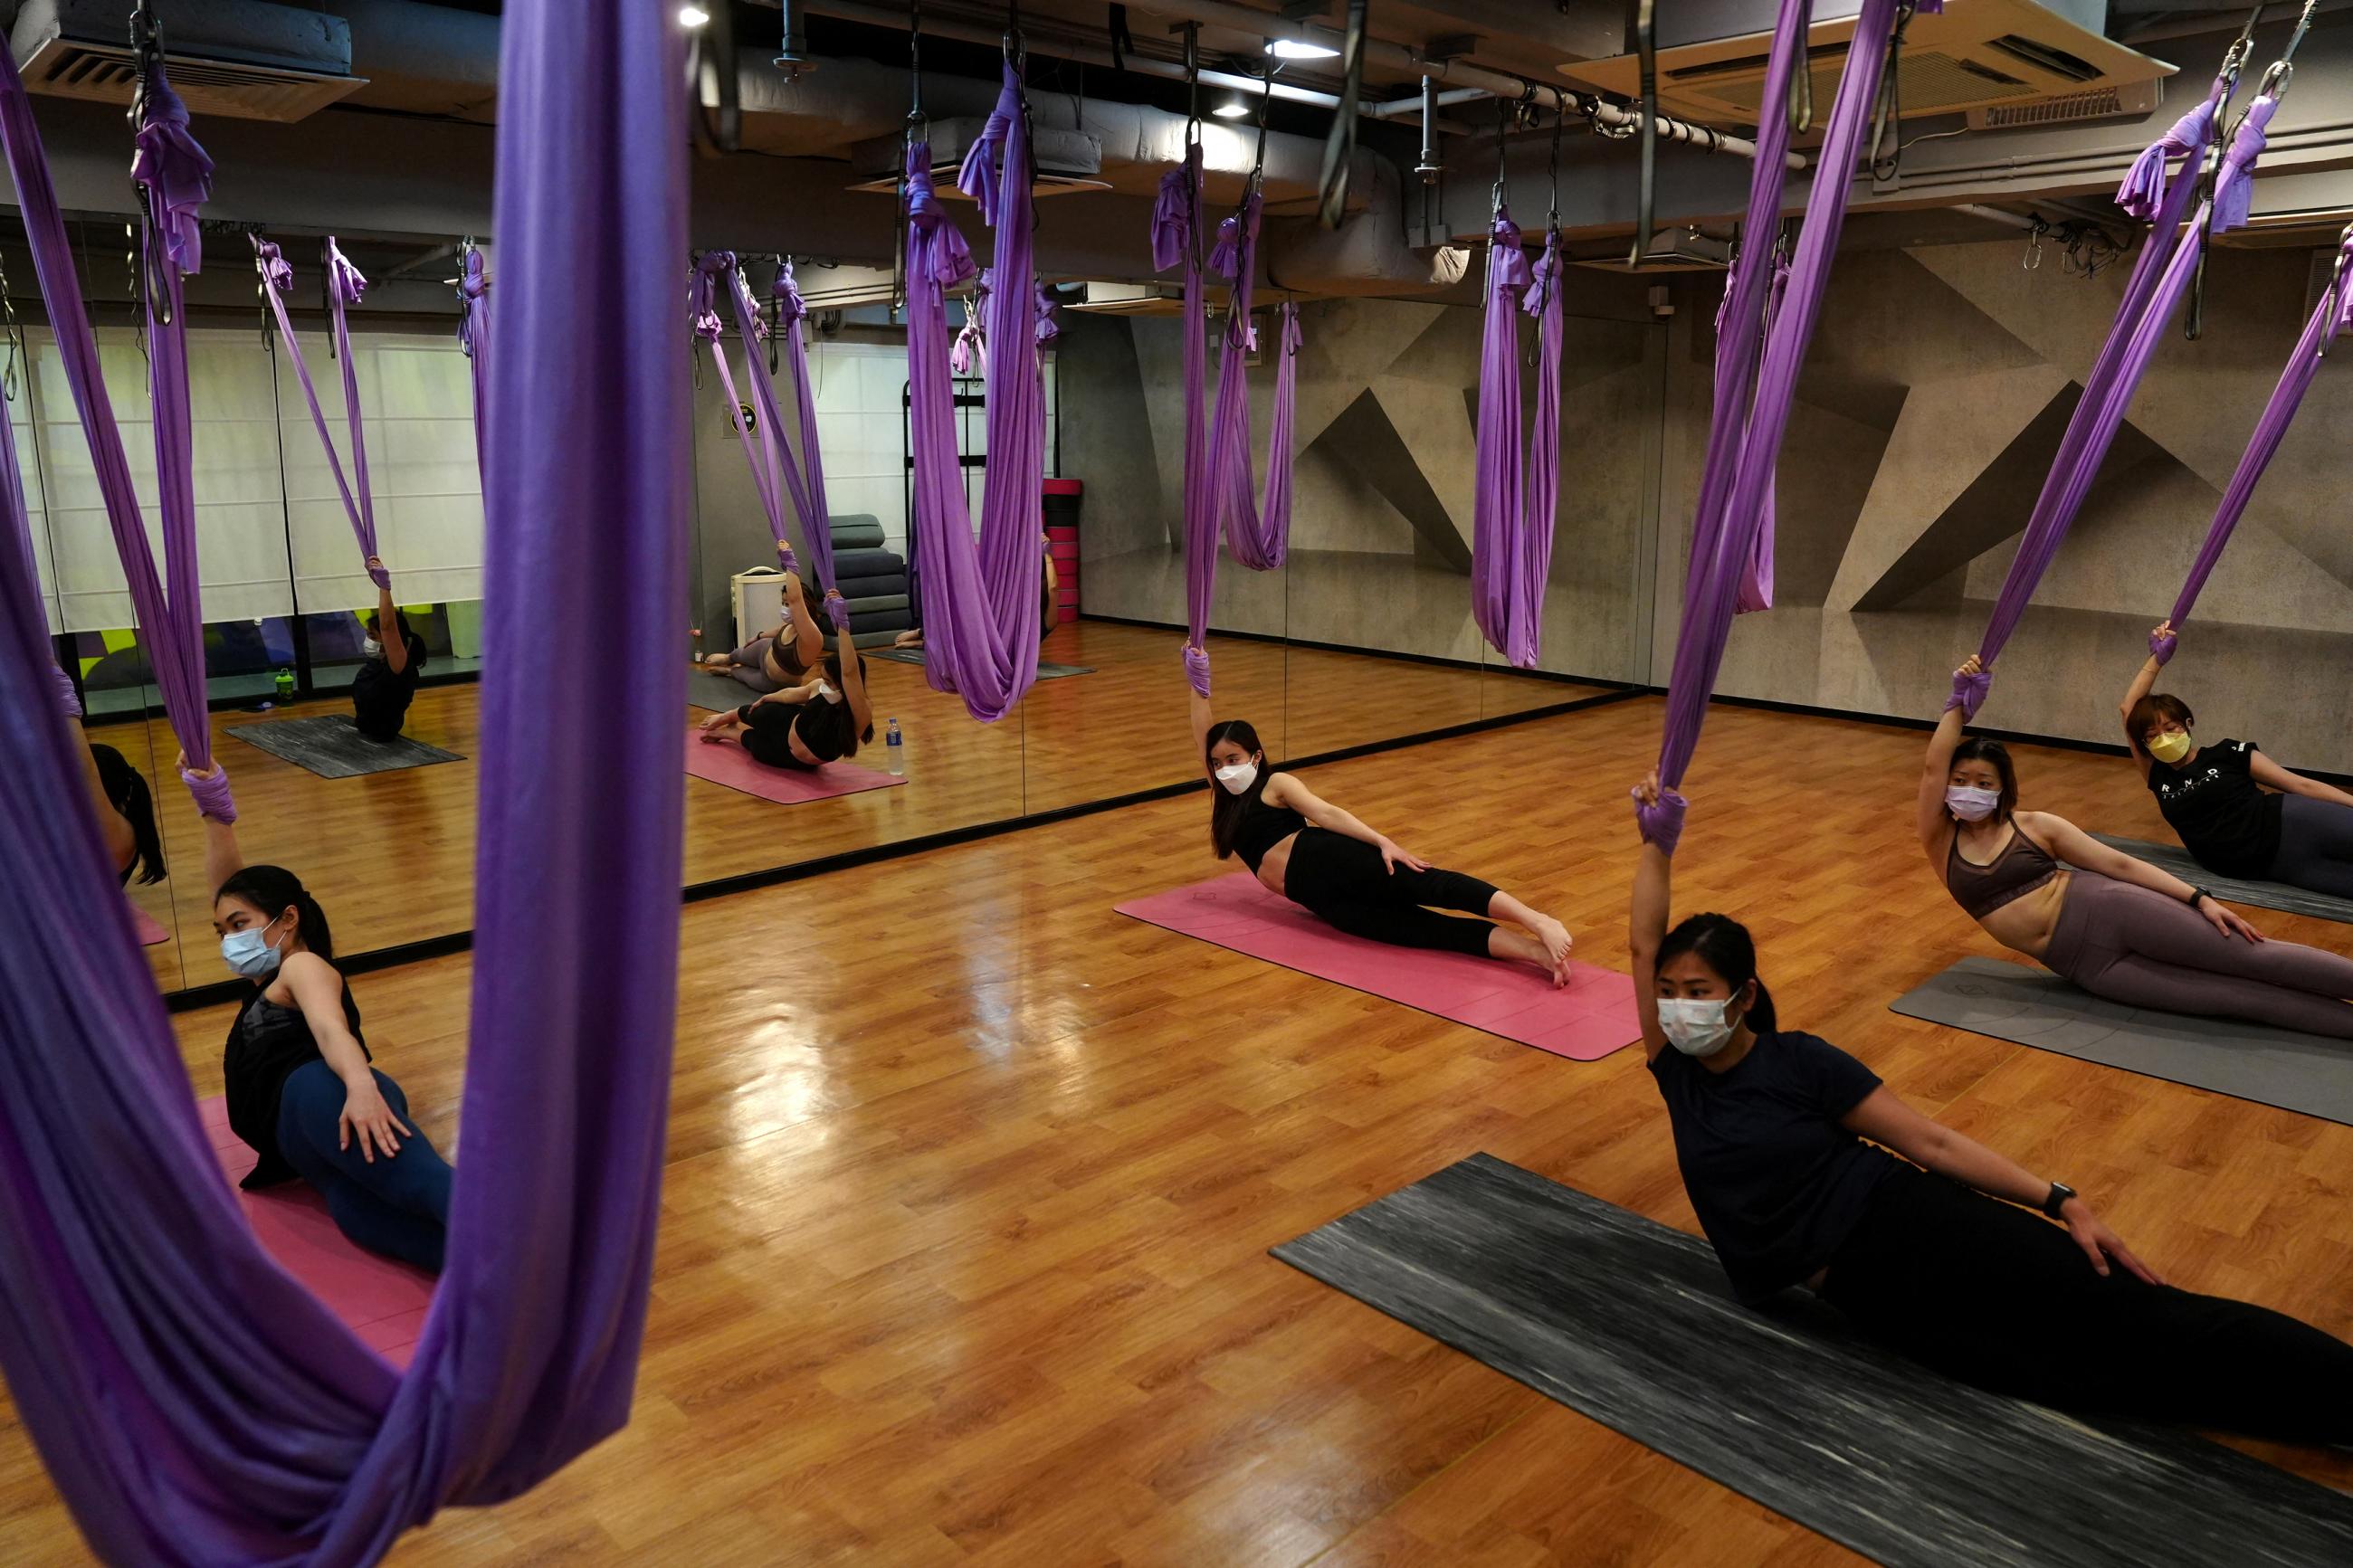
(1335, 867)
(1940, 1256)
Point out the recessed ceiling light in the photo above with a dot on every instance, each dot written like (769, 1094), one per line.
(693, 17)
(1293, 49)
(1232, 109)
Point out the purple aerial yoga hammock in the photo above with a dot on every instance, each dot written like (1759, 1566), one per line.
(979, 598)
(1514, 496)
(1744, 437)
(474, 338)
(193, 1404)
(2330, 317)
(2160, 279)
(344, 289)
(1757, 576)
(175, 175)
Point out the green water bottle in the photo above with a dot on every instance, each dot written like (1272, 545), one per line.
(285, 685)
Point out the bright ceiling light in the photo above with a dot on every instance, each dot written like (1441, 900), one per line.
(1292, 50)
(1232, 109)
(693, 17)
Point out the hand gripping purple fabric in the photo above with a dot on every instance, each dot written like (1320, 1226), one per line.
(344, 288)
(1514, 496)
(2329, 318)
(173, 172)
(980, 598)
(2160, 279)
(193, 1404)
(474, 338)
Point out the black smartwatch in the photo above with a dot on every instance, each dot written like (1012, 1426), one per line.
(2057, 1198)
(2198, 895)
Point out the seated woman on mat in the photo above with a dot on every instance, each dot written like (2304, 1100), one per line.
(807, 726)
(1949, 1264)
(1333, 866)
(296, 1071)
(1047, 608)
(2217, 797)
(780, 658)
(2119, 928)
(387, 682)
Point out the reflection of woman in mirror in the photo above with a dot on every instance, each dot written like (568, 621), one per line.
(386, 681)
(1047, 608)
(1930, 1243)
(1330, 864)
(2237, 811)
(825, 718)
(126, 813)
(2117, 927)
(296, 1071)
(782, 657)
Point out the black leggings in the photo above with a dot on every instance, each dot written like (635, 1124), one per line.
(1988, 1294)
(1342, 880)
(2316, 848)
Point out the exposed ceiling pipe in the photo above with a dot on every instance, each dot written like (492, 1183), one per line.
(1413, 108)
(1995, 214)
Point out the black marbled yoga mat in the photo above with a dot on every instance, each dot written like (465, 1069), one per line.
(2232, 889)
(1632, 1323)
(331, 746)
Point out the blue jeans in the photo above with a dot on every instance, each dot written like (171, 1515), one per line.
(397, 1205)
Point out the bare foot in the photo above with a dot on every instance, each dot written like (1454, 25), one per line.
(713, 661)
(1519, 947)
(1556, 944)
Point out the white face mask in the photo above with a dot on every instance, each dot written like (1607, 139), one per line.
(371, 648)
(1237, 777)
(1971, 803)
(1697, 1026)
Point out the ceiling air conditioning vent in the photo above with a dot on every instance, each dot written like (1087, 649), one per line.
(1129, 299)
(244, 60)
(2127, 103)
(1979, 56)
(1066, 159)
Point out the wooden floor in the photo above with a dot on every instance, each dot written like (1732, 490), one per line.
(1080, 739)
(965, 1219)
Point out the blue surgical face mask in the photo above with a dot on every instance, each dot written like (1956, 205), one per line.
(249, 953)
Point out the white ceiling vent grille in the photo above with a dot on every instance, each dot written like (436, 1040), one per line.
(2129, 101)
(244, 60)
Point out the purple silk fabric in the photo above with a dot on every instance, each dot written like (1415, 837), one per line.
(1722, 531)
(193, 1403)
(2160, 279)
(2329, 318)
(979, 596)
(171, 624)
(344, 288)
(1517, 490)
(1174, 240)
(474, 338)
(1757, 576)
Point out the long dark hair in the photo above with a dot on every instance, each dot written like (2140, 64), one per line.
(273, 890)
(1724, 945)
(1227, 810)
(1979, 749)
(834, 720)
(126, 790)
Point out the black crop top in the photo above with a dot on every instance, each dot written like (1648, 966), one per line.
(768, 735)
(265, 1044)
(1262, 828)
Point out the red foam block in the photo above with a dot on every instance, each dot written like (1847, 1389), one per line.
(725, 763)
(381, 1301)
(1585, 1020)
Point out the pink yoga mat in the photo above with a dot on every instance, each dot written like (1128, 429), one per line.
(1590, 1017)
(381, 1301)
(150, 930)
(725, 763)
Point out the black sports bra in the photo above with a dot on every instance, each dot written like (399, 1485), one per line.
(1262, 828)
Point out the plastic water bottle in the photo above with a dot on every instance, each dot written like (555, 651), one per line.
(894, 747)
(285, 685)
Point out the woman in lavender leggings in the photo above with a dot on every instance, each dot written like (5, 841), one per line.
(2118, 927)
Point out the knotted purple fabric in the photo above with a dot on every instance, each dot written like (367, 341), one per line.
(193, 1403)
(474, 338)
(775, 474)
(1744, 432)
(980, 596)
(2161, 280)
(970, 353)
(175, 174)
(2330, 317)
(1257, 533)
(1516, 490)
(344, 289)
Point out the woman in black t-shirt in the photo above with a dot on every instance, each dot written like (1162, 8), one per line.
(807, 726)
(2237, 811)
(387, 682)
(1951, 1268)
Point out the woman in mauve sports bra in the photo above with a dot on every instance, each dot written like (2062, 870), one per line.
(2118, 927)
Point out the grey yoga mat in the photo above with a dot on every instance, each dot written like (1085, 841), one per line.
(1045, 671)
(1630, 1323)
(2232, 889)
(714, 693)
(2032, 1007)
(332, 748)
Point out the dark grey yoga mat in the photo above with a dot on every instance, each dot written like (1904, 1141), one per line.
(2032, 1007)
(331, 746)
(1630, 1323)
(1045, 671)
(2232, 889)
(715, 693)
